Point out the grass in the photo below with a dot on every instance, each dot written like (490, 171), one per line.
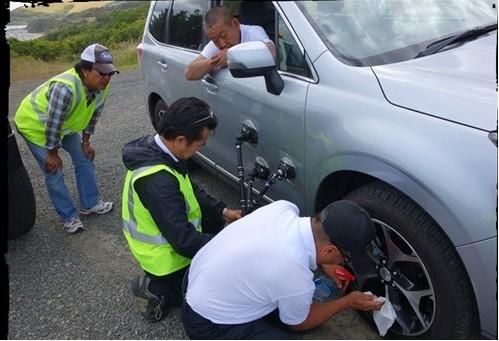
(24, 68)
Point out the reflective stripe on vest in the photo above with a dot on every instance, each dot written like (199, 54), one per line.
(131, 225)
(151, 249)
(43, 115)
(31, 116)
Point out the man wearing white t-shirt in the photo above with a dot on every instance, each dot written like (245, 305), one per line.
(224, 31)
(262, 266)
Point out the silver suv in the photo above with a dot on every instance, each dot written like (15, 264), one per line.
(391, 103)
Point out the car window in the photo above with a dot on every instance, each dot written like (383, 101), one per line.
(185, 25)
(377, 32)
(290, 58)
(157, 24)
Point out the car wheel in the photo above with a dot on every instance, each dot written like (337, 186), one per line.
(159, 110)
(22, 209)
(415, 266)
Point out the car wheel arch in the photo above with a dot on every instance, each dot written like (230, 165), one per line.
(339, 184)
(152, 99)
(357, 170)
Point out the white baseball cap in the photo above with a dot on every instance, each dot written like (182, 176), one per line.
(100, 56)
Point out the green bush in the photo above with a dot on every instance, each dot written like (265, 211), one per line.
(109, 28)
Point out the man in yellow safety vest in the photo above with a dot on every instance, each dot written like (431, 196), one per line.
(167, 218)
(63, 113)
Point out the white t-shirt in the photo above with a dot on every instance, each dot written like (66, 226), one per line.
(258, 263)
(248, 33)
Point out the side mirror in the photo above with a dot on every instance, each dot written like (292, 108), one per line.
(254, 59)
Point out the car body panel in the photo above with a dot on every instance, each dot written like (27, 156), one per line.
(420, 125)
(483, 274)
(240, 100)
(350, 126)
(448, 75)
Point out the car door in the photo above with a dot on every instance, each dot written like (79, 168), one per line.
(179, 43)
(279, 120)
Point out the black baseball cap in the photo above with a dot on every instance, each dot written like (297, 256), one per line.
(350, 228)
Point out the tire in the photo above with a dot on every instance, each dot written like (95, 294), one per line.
(159, 110)
(421, 260)
(22, 209)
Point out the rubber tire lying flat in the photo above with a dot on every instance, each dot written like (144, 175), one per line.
(22, 208)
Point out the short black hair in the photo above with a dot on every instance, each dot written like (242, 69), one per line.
(83, 65)
(187, 117)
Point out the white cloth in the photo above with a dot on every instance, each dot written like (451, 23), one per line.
(248, 33)
(258, 263)
(384, 317)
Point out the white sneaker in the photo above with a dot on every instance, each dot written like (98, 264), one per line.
(102, 207)
(73, 225)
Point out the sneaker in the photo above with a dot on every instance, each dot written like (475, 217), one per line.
(73, 225)
(102, 207)
(152, 307)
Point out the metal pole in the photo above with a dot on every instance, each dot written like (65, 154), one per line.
(240, 174)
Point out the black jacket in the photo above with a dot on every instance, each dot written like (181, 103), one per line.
(160, 194)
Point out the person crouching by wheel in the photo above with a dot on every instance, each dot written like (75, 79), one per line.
(166, 217)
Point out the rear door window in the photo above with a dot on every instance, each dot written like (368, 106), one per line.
(186, 24)
(157, 24)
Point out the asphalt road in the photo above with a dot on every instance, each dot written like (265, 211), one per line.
(77, 286)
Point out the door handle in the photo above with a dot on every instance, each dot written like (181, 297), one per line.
(163, 65)
(210, 84)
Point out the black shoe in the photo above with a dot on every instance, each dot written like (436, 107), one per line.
(151, 306)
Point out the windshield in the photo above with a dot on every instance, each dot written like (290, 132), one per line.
(375, 32)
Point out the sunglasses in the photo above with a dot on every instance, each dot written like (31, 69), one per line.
(210, 115)
(346, 256)
(102, 74)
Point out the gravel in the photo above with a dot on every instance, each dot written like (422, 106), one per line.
(77, 286)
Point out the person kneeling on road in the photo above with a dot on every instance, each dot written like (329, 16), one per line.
(166, 218)
(265, 272)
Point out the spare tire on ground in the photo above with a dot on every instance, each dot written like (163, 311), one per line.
(22, 207)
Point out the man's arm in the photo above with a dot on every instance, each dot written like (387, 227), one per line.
(214, 208)
(87, 149)
(59, 101)
(210, 206)
(160, 194)
(321, 312)
(199, 67)
(89, 130)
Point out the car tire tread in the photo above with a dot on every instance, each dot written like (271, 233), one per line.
(398, 204)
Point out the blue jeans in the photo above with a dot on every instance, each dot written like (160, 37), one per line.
(84, 173)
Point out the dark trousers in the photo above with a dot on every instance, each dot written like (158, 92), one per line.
(170, 286)
(266, 328)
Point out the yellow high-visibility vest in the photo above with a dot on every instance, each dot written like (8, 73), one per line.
(149, 247)
(31, 116)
